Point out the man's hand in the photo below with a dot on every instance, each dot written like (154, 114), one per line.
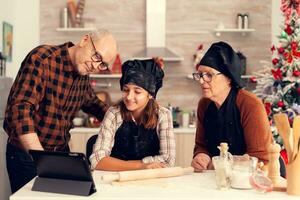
(30, 141)
(201, 162)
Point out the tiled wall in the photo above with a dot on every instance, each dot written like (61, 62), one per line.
(126, 20)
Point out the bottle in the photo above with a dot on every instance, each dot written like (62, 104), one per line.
(193, 119)
(185, 119)
(64, 18)
(239, 21)
(223, 167)
(246, 21)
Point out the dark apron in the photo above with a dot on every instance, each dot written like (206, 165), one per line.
(134, 142)
(224, 125)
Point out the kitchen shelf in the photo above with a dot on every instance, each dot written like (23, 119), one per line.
(75, 29)
(233, 30)
(112, 76)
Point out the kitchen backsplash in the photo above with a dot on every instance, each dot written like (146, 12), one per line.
(188, 24)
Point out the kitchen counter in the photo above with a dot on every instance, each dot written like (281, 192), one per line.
(184, 137)
(96, 130)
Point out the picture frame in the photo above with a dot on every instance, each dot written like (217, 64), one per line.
(7, 41)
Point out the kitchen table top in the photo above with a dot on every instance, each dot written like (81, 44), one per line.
(190, 186)
(96, 130)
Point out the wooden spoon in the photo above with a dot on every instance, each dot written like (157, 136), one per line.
(283, 127)
(296, 133)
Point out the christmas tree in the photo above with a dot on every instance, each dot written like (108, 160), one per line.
(278, 84)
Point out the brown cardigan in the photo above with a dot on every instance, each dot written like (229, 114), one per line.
(254, 120)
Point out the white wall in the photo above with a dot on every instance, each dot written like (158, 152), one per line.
(277, 20)
(24, 16)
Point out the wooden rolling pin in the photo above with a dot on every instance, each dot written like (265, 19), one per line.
(146, 174)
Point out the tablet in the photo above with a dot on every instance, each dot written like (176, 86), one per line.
(62, 165)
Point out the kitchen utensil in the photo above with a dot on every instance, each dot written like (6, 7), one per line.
(293, 177)
(283, 127)
(296, 134)
(146, 174)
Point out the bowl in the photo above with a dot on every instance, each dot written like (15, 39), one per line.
(242, 169)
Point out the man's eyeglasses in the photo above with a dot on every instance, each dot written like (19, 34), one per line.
(207, 77)
(97, 58)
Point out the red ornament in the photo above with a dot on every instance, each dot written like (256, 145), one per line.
(253, 79)
(281, 50)
(275, 61)
(273, 48)
(280, 104)
(296, 73)
(288, 30)
(298, 90)
(93, 83)
(294, 45)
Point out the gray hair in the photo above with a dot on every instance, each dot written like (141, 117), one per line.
(98, 34)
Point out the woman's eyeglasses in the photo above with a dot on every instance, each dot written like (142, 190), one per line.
(207, 77)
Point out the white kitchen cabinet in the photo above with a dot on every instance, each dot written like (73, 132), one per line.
(184, 138)
(184, 148)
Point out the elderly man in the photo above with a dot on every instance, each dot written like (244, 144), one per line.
(51, 87)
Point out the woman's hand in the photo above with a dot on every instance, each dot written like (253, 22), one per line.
(201, 162)
(154, 165)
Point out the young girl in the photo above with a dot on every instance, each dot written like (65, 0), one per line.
(137, 133)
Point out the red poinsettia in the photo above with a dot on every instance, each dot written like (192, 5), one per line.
(289, 56)
(277, 74)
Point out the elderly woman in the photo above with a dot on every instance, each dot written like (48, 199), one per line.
(227, 113)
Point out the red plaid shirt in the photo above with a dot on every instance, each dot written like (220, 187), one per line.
(46, 95)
